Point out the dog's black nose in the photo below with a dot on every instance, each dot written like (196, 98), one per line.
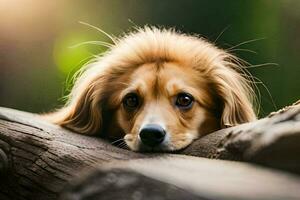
(152, 135)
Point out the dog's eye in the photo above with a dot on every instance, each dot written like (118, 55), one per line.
(131, 101)
(184, 100)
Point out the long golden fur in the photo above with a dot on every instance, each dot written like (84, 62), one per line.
(157, 66)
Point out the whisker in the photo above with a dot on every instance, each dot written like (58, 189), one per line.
(262, 65)
(241, 65)
(73, 75)
(78, 73)
(123, 145)
(118, 140)
(120, 144)
(223, 31)
(134, 24)
(246, 42)
(246, 50)
(267, 90)
(100, 30)
(100, 43)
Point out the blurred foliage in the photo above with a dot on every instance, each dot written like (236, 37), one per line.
(36, 36)
(66, 59)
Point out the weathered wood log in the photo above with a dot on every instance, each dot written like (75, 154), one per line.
(38, 159)
(273, 141)
(184, 177)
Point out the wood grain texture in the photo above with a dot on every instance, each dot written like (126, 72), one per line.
(38, 159)
(272, 141)
(42, 158)
(184, 177)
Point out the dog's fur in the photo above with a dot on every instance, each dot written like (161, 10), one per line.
(157, 64)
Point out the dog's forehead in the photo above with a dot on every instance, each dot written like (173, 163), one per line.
(144, 73)
(159, 77)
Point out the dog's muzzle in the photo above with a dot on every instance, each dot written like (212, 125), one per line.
(152, 135)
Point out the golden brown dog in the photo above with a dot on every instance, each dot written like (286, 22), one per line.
(158, 90)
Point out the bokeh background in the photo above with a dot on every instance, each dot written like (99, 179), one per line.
(36, 36)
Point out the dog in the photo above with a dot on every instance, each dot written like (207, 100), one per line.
(158, 90)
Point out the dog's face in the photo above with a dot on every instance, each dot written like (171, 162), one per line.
(164, 106)
(158, 90)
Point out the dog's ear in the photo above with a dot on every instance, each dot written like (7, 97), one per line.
(83, 112)
(235, 94)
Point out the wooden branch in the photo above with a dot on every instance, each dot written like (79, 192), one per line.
(37, 159)
(183, 177)
(272, 141)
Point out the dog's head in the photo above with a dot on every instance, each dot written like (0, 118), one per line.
(159, 90)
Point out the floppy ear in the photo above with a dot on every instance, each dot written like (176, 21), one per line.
(236, 96)
(83, 112)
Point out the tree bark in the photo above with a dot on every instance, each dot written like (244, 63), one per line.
(272, 141)
(38, 159)
(183, 177)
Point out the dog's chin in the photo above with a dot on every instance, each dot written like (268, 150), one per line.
(140, 147)
(160, 148)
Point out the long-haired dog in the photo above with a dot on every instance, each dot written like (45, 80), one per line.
(158, 90)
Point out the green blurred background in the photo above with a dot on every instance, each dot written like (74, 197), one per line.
(35, 36)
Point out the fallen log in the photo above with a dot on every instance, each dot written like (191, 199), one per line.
(183, 177)
(38, 159)
(272, 141)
